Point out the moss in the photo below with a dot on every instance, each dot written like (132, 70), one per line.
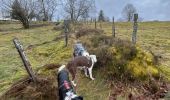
(142, 65)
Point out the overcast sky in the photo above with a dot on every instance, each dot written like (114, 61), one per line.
(147, 9)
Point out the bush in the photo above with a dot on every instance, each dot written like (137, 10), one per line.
(116, 59)
(58, 27)
(121, 59)
(83, 32)
(57, 23)
(127, 49)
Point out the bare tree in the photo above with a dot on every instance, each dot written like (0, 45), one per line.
(22, 10)
(1, 12)
(19, 13)
(47, 9)
(78, 8)
(128, 12)
(85, 16)
(39, 9)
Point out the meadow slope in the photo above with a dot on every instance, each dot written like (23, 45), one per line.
(154, 36)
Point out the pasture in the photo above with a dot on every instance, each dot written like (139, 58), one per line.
(42, 48)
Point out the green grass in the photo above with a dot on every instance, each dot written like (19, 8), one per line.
(93, 90)
(151, 35)
(11, 67)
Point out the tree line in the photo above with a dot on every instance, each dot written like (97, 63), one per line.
(127, 14)
(44, 10)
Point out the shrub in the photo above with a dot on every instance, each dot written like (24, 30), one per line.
(105, 57)
(57, 23)
(59, 27)
(83, 32)
(127, 49)
(121, 59)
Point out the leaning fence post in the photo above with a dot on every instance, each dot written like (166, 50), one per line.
(27, 64)
(135, 27)
(66, 29)
(113, 28)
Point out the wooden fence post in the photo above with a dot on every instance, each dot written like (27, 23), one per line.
(66, 30)
(100, 24)
(95, 24)
(91, 21)
(135, 28)
(27, 64)
(113, 28)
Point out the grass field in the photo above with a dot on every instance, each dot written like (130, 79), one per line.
(154, 36)
(151, 35)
